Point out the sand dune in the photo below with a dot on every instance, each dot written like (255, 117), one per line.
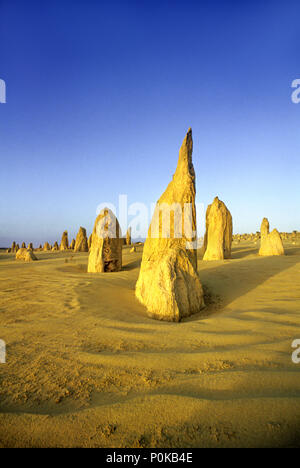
(87, 367)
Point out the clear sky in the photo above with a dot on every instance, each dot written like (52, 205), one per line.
(101, 94)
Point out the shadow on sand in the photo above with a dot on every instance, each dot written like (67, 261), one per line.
(241, 253)
(132, 265)
(230, 279)
(7, 256)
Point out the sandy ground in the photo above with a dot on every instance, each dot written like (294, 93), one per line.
(86, 367)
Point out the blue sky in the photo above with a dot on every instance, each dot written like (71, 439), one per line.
(101, 94)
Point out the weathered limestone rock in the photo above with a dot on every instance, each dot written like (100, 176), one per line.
(64, 245)
(128, 236)
(46, 246)
(17, 247)
(25, 255)
(81, 244)
(55, 246)
(106, 249)
(90, 242)
(271, 243)
(20, 255)
(13, 247)
(72, 245)
(133, 249)
(29, 257)
(218, 235)
(30, 246)
(168, 283)
(23, 246)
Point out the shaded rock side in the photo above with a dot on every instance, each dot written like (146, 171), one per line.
(81, 243)
(55, 246)
(90, 241)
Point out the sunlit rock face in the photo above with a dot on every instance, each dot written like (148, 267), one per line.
(168, 283)
(218, 235)
(106, 246)
(25, 255)
(271, 242)
(128, 236)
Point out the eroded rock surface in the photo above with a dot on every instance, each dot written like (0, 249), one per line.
(168, 283)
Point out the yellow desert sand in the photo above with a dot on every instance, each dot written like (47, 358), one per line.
(86, 366)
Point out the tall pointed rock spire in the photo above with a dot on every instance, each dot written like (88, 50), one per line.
(168, 283)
